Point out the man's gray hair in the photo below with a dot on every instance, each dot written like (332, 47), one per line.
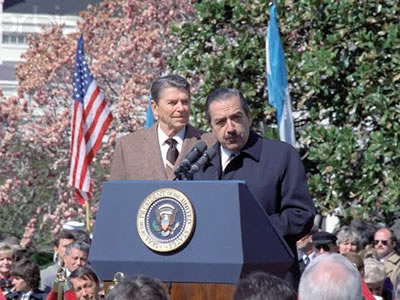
(330, 277)
(82, 246)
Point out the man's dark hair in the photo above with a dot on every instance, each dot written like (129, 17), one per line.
(81, 235)
(168, 81)
(65, 234)
(85, 273)
(264, 286)
(82, 246)
(28, 271)
(138, 288)
(221, 94)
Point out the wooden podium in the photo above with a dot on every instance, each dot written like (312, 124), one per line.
(232, 237)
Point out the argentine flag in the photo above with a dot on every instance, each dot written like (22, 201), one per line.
(278, 94)
(149, 113)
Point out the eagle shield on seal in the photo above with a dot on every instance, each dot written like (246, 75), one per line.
(165, 219)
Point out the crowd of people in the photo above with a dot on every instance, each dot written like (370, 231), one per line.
(347, 264)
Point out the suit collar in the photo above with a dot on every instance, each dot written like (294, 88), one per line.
(251, 149)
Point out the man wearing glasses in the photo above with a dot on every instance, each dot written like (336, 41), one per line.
(324, 242)
(385, 245)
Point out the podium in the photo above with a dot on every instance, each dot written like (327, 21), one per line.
(232, 237)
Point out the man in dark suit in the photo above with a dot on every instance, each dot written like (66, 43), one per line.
(273, 170)
(143, 155)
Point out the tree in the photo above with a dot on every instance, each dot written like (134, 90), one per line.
(126, 44)
(343, 64)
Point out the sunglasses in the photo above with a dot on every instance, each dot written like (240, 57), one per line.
(326, 248)
(384, 242)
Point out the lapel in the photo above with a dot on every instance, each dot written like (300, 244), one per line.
(152, 154)
(192, 135)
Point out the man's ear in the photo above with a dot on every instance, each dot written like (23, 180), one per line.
(154, 108)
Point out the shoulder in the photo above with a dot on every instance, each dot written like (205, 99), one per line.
(279, 148)
(38, 295)
(49, 270)
(193, 132)
(135, 137)
(394, 259)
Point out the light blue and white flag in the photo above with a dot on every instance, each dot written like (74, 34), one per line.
(149, 114)
(278, 94)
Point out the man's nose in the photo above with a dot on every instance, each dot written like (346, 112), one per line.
(230, 127)
(179, 106)
(81, 262)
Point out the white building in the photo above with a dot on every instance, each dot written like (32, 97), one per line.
(18, 18)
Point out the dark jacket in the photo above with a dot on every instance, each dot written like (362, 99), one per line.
(36, 295)
(275, 175)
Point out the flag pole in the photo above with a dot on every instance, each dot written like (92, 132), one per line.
(87, 205)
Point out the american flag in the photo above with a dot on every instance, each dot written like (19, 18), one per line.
(90, 119)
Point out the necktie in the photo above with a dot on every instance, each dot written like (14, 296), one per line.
(232, 156)
(172, 153)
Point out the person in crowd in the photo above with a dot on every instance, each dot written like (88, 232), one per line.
(396, 286)
(76, 255)
(348, 240)
(385, 244)
(264, 286)
(324, 242)
(86, 284)
(82, 235)
(366, 229)
(26, 280)
(305, 249)
(154, 154)
(273, 170)
(358, 262)
(19, 252)
(60, 243)
(6, 263)
(138, 288)
(375, 277)
(330, 277)
(369, 252)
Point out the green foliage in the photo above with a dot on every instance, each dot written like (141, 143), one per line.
(343, 61)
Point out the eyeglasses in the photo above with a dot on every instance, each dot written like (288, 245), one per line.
(326, 248)
(384, 242)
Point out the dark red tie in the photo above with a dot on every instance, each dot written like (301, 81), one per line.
(172, 153)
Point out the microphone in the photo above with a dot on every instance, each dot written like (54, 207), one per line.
(206, 157)
(191, 157)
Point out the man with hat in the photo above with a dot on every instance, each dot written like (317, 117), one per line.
(324, 242)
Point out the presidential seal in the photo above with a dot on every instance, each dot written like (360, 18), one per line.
(165, 220)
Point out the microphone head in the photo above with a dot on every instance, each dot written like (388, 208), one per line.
(201, 146)
(210, 153)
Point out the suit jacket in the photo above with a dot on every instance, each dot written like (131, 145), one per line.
(275, 175)
(48, 275)
(137, 156)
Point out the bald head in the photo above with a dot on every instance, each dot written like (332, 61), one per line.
(330, 277)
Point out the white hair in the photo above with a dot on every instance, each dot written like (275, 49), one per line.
(330, 277)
